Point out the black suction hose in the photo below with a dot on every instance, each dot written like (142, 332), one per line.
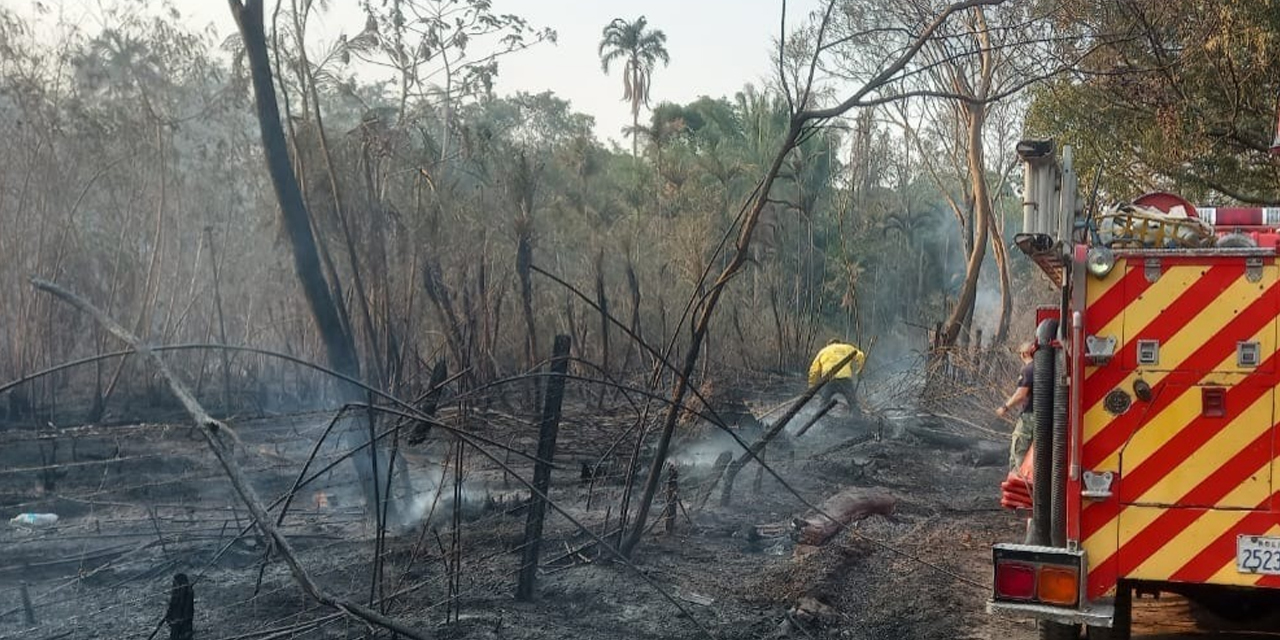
(1058, 485)
(1042, 405)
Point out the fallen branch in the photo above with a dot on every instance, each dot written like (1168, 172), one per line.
(213, 431)
(753, 452)
(943, 439)
(968, 423)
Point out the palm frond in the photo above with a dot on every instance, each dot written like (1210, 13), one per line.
(607, 58)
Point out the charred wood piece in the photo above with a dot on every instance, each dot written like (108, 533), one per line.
(843, 509)
(181, 613)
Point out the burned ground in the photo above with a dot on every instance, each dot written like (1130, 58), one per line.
(140, 503)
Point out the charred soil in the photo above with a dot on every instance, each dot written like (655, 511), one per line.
(138, 504)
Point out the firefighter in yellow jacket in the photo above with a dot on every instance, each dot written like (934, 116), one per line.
(842, 382)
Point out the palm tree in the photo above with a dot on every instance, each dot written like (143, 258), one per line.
(642, 48)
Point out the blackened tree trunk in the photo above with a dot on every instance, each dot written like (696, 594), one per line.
(293, 210)
(338, 343)
(603, 303)
(633, 285)
(523, 190)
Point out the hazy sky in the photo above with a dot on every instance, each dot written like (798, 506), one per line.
(716, 46)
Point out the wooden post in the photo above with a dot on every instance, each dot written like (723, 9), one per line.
(673, 495)
(28, 611)
(181, 613)
(547, 432)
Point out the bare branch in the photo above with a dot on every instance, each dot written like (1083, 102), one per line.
(898, 65)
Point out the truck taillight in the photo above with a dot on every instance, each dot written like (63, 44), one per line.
(1015, 581)
(1058, 585)
(1038, 575)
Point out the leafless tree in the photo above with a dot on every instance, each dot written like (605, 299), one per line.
(975, 64)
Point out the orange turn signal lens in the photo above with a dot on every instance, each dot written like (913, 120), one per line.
(1058, 585)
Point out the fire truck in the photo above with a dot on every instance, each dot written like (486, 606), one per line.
(1155, 460)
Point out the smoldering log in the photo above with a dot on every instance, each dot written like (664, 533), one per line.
(844, 508)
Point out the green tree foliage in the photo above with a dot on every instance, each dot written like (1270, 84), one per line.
(125, 143)
(1180, 95)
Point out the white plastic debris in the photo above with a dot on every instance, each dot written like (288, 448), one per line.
(34, 520)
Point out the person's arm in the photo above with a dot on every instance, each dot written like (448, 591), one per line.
(1018, 397)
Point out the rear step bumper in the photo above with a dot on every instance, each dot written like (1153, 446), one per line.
(1093, 615)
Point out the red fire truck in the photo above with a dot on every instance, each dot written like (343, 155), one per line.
(1154, 467)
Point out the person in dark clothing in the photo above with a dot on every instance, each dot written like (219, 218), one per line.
(1024, 430)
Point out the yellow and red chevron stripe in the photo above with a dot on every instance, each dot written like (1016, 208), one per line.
(1186, 484)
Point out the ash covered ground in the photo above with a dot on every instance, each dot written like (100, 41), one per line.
(139, 503)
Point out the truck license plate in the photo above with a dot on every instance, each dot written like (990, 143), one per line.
(1258, 554)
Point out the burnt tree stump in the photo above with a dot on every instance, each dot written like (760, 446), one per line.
(182, 609)
(673, 496)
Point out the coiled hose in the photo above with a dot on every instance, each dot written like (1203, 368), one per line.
(1042, 405)
(1058, 488)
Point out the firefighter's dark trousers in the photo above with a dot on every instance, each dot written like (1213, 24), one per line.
(1023, 432)
(843, 387)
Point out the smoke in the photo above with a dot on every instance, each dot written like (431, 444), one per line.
(434, 497)
(702, 452)
(986, 309)
(425, 496)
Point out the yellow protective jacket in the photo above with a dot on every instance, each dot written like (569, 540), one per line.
(830, 356)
